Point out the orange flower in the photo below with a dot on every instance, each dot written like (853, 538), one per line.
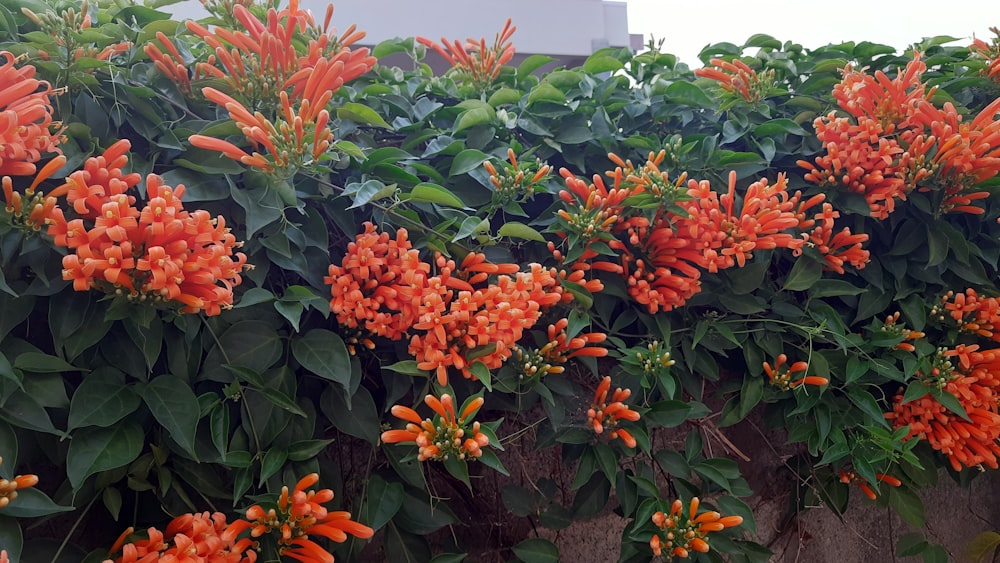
(991, 52)
(444, 436)
(974, 383)
(9, 488)
(681, 531)
(852, 478)
(738, 78)
(972, 313)
(284, 53)
(514, 183)
(188, 538)
(26, 126)
(783, 378)
(558, 349)
(892, 326)
(474, 61)
(603, 416)
(297, 515)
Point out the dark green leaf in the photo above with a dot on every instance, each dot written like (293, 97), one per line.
(536, 550)
(99, 449)
(324, 353)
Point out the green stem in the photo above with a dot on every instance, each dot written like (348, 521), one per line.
(79, 519)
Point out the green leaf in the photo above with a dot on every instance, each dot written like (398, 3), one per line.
(470, 226)
(536, 550)
(546, 92)
(10, 537)
(804, 274)
(779, 127)
(449, 558)
(914, 543)
(253, 344)
(31, 503)
(102, 399)
(383, 502)
(532, 63)
(483, 115)
(866, 402)
(907, 505)
(175, 406)
(426, 192)
(361, 114)
(273, 461)
(406, 367)
(36, 362)
(514, 229)
(467, 161)
(324, 353)
(306, 449)
(689, 94)
(99, 449)
(598, 63)
(983, 546)
(505, 96)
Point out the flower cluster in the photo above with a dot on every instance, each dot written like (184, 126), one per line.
(972, 378)
(604, 414)
(852, 478)
(9, 488)
(159, 253)
(557, 350)
(26, 127)
(195, 538)
(739, 79)
(280, 75)
(991, 52)
(891, 325)
(297, 515)
(66, 29)
(515, 182)
(475, 62)
(972, 313)
(446, 435)
(792, 376)
(665, 232)
(680, 532)
(896, 141)
(453, 318)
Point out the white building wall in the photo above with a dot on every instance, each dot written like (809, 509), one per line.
(553, 27)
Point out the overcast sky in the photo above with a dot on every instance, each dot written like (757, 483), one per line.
(687, 26)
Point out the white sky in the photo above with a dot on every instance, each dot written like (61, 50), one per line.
(689, 25)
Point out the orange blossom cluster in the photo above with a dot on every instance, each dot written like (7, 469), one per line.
(446, 435)
(991, 52)
(852, 478)
(296, 516)
(972, 313)
(664, 232)
(280, 75)
(680, 532)
(475, 61)
(790, 377)
(9, 487)
(973, 378)
(453, 314)
(896, 141)
(738, 78)
(69, 24)
(189, 538)
(604, 415)
(159, 253)
(26, 126)
(557, 350)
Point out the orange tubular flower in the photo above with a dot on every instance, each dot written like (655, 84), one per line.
(892, 326)
(603, 416)
(445, 435)
(189, 537)
(991, 52)
(680, 531)
(972, 313)
(783, 379)
(297, 515)
(159, 254)
(968, 374)
(738, 78)
(474, 61)
(26, 126)
(852, 478)
(514, 183)
(558, 349)
(9, 488)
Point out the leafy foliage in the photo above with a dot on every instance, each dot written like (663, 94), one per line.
(358, 239)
